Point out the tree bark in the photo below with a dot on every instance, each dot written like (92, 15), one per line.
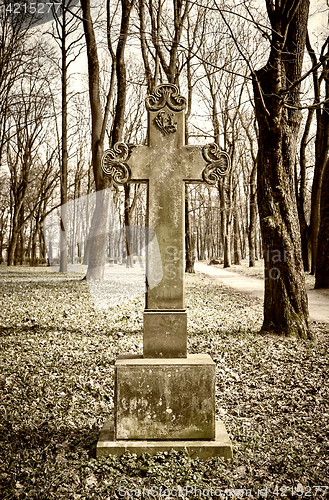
(252, 217)
(322, 263)
(128, 211)
(237, 241)
(118, 124)
(97, 241)
(189, 253)
(276, 102)
(321, 148)
(64, 158)
(301, 195)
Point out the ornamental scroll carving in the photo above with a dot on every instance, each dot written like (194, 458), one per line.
(218, 163)
(113, 163)
(166, 94)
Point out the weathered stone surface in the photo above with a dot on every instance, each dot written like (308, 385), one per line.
(165, 334)
(165, 394)
(220, 446)
(165, 163)
(165, 398)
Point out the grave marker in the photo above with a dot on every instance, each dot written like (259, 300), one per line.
(165, 394)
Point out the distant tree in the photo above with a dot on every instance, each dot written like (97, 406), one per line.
(98, 240)
(40, 202)
(65, 32)
(321, 142)
(322, 261)
(4, 211)
(223, 90)
(15, 56)
(26, 134)
(249, 126)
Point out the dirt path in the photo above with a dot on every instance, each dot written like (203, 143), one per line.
(318, 300)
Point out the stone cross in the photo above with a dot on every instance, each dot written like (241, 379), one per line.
(165, 163)
(165, 398)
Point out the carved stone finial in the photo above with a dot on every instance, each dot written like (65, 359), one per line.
(218, 166)
(113, 163)
(166, 94)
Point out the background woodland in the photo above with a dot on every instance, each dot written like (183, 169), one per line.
(256, 81)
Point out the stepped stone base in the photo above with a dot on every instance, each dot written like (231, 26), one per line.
(203, 449)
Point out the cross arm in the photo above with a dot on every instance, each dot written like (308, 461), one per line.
(125, 162)
(206, 163)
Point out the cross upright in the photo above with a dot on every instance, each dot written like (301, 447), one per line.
(165, 164)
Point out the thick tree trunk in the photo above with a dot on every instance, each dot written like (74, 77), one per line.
(322, 263)
(96, 244)
(12, 246)
(285, 303)
(98, 237)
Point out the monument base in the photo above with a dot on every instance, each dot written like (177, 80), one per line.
(221, 446)
(160, 398)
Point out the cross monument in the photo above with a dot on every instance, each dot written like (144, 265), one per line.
(165, 397)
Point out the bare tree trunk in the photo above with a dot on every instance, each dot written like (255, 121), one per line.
(321, 148)
(128, 231)
(285, 303)
(301, 195)
(64, 228)
(13, 243)
(20, 248)
(237, 241)
(33, 261)
(225, 223)
(96, 245)
(322, 263)
(252, 217)
(189, 253)
(98, 237)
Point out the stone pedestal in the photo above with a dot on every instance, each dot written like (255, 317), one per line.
(165, 398)
(162, 404)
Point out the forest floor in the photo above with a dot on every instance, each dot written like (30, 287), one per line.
(56, 389)
(250, 280)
